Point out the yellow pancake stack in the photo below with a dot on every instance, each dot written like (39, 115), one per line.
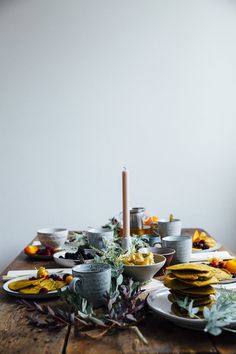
(194, 281)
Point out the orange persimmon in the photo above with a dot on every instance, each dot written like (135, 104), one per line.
(31, 249)
(231, 266)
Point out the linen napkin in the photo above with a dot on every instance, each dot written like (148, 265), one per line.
(204, 256)
(152, 285)
(32, 272)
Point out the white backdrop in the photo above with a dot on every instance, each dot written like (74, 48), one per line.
(90, 86)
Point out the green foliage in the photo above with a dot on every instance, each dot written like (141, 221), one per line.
(218, 316)
(187, 305)
(221, 313)
(110, 256)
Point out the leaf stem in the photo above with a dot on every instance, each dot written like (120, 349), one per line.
(139, 334)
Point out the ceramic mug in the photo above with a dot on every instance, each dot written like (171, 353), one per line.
(99, 237)
(182, 244)
(91, 281)
(152, 239)
(169, 228)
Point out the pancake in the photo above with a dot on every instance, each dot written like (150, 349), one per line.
(192, 274)
(197, 292)
(174, 283)
(220, 274)
(182, 297)
(196, 302)
(201, 283)
(185, 274)
(199, 267)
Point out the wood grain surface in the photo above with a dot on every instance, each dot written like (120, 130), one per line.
(17, 336)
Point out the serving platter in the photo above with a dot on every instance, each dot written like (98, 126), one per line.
(158, 301)
(50, 294)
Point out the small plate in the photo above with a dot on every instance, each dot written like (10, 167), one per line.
(39, 257)
(158, 301)
(50, 294)
(211, 249)
(69, 263)
(226, 281)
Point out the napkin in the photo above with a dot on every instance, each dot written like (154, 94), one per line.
(152, 285)
(32, 272)
(204, 256)
(230, 286)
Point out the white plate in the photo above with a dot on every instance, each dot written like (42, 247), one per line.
(211, 249)
(158, 301)
(68, 263)
(48, 295)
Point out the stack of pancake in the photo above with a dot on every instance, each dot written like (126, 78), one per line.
(194, 281)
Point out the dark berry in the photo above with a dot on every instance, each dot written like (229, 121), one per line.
(53, 276)
(65, 275)
(43, 291)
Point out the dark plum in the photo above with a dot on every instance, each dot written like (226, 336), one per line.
(43, 291)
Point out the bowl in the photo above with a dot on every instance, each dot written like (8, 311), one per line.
(168, 253)
(144, 273)
(54, 238)
(69, 263)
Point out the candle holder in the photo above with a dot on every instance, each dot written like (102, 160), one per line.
(126, 243)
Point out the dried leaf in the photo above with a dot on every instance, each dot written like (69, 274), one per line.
(95, 334)
(131, 317)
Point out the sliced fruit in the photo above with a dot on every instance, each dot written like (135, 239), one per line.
(31, 290)
(42, 272)
(155, 219)
(148, 221)
(21, 284)
(195, 236)
(60, 283)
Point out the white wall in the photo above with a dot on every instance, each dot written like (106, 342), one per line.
(90, 86)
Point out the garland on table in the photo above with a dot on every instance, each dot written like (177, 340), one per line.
(123, 309)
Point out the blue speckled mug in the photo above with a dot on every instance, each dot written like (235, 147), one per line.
(91, 281)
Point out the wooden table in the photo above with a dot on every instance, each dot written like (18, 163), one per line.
(17, 336)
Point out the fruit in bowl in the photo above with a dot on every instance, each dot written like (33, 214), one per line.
(202, 241)
(168, 253)
(72, 258)
(35, 251)
(142, 266)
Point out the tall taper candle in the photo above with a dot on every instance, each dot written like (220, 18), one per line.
(125, 196)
